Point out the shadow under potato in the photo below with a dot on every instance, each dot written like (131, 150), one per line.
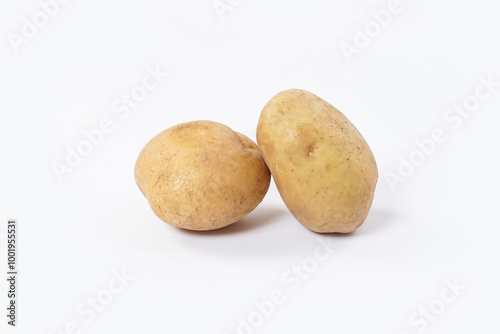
(376, 221)
(270, 232)
(259, 217)
(262, 216)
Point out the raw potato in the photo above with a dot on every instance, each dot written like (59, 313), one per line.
(201, 175)
(322, 166)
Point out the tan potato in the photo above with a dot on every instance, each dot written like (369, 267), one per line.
(322, 166)
(201, 175)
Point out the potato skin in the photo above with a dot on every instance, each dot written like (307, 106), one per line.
(201, 175)
(322, 166)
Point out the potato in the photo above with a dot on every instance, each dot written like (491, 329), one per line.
(322, 166)
(201, 175)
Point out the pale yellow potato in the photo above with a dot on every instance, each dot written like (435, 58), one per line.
(321, 164)
(201, 175)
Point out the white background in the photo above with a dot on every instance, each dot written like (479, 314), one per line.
(440, 224)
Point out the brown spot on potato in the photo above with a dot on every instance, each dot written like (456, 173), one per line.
(311, 149)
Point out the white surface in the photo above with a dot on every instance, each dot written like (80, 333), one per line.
(440, 224)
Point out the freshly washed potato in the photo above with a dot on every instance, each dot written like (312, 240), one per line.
(322, 166)
(201, 175)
